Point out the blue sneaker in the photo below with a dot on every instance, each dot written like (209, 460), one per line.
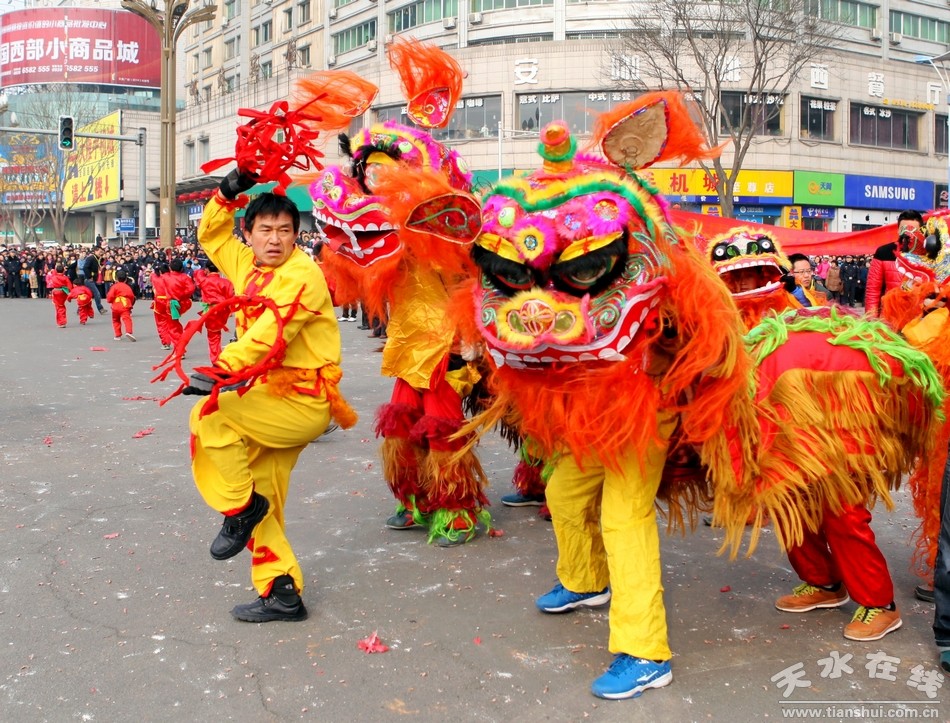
(562, 600)
(628, 677)
(516, 499)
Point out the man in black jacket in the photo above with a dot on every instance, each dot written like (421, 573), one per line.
(90, 268)
(849, 281)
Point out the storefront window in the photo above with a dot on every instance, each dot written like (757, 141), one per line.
(818, 119)
(474, 117)
(577, 109)
(940, 134)
(765, 113)
(884, 127)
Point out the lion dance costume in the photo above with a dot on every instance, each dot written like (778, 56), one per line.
(402, 270)
(844, 407)
(609, 337)
(919, 310)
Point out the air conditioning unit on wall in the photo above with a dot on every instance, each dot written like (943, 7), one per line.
(371, 46)
(332, 13)
(876, 33)
(448, 23)
(331, 60)
(475, 18)
(895, 38)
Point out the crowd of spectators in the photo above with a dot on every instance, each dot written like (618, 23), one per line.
(844, 278)
(23, 271)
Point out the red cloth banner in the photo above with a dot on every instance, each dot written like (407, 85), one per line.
(812, 243)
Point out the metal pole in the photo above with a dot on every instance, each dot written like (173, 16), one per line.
(500, 134)
(142, 188)
(166, 201)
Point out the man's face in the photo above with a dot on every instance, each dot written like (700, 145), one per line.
(802, 272)
(272, 239)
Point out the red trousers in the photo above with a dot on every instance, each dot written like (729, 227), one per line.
(844, 550)
(119, 318)
(59, 303)
(161, 324)
(85, 312)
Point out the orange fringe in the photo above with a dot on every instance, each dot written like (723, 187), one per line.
(837, 440)
(424, 67)
(337, 96)
(684, 142)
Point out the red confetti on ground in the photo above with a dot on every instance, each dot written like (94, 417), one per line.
(143, 433)
(97, 348)
(140, 398)
(477, 640)
(495, 532)
(372, 644)
(784, 627)
(725, 588)
(110, 536)
(47, 440)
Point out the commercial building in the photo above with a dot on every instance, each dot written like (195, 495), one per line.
(861, 134)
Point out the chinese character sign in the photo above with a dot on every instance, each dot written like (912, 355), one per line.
(92, 170)
(876, 85)
(78, 45)
(526, 71)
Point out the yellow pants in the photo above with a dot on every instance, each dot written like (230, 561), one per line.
(250, 443)
(606, 530)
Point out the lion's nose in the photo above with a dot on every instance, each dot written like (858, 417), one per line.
(536, 318)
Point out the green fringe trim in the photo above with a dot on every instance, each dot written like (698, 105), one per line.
(442, 524)
(872, 337)
(417, 517)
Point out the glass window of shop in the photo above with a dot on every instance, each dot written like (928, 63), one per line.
(818, 118)
(474, 117)
(421, 12)
(940, 134)
(873, 125)
(577, 109)
(766, 116)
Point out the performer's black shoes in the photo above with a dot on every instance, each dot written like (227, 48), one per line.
(236, 530)
(283, 603)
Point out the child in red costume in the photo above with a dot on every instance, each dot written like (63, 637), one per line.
(59, 287)
(83, 298)
(122, 299)
(160, 304)
(179, 288)
(214, 289)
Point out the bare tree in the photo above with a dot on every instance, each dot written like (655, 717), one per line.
(49, 169)
(736, 58)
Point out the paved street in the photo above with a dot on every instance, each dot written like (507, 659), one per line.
(111, 608)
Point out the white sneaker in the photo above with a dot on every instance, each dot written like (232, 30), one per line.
(117, 338)
(129, 336)
(343, 318)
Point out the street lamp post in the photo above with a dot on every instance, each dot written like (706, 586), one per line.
(945, 82)
(170, 24)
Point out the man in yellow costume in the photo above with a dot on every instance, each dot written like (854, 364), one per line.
(245, 442)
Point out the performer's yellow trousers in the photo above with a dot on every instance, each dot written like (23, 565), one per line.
(252, 443)
(606, 530)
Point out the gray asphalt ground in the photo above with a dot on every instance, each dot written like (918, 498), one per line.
(111, 608)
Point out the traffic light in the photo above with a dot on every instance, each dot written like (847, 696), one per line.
(67, 141)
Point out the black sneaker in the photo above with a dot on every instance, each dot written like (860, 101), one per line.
(236, 530)
(924, 593)
(283, 604)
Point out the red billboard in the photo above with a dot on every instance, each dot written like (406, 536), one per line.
(78, 45)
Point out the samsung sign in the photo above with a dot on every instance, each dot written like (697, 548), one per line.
(897, 194)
